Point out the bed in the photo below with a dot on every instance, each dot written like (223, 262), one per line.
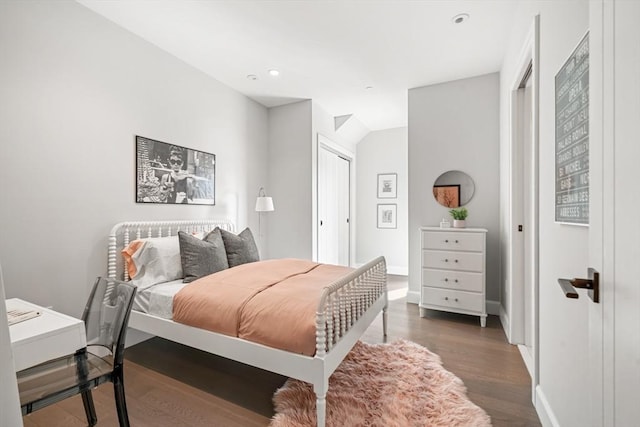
(345, 309)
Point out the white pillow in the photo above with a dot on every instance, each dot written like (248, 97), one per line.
(154, 260)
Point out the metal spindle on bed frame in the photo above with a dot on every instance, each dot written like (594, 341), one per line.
(345, 301)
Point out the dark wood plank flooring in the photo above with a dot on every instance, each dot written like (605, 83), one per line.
(171, 385)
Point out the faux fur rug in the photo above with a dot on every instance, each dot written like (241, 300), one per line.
(401, 384)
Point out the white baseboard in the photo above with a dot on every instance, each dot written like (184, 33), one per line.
(493, 307)
(391, 269)
(545, 413)
(526, 358)
(413, 297)
(504, 319)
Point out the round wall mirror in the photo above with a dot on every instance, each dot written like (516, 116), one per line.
(453, 189)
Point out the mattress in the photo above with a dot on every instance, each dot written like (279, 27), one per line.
(157, 300)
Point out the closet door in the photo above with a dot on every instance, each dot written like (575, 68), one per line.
(333, 208)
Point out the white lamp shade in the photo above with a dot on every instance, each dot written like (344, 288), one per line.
(264, 204)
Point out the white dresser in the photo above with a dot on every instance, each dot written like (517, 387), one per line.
(453, 271)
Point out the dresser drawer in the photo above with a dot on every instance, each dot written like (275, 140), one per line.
(455, 280)
(465, 261)
(460, 300)
(453, 241)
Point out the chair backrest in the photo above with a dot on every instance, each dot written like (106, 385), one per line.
(106, 315)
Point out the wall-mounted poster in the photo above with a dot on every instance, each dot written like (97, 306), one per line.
(387, 216)
(572, 137)
(387, 185)
(169, 173)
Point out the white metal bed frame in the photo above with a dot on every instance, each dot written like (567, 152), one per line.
(346, 309)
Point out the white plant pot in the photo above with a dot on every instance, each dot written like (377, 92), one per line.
(459, 223)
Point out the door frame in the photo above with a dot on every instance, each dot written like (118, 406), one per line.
(324, 143)
(513, 319)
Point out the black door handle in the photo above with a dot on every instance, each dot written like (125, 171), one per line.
(592, 284)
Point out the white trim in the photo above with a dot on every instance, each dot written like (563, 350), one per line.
(513, 316)
(504, 320)
(546, 415)
(526, 358)
(413, 297)
(493, 307)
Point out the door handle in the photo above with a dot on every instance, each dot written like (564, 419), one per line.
(592, 284)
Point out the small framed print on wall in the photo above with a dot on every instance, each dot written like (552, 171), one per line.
(387, 185)
(387, 216)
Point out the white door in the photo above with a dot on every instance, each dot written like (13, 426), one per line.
(614, 325)
(333, 208)
(528, 196)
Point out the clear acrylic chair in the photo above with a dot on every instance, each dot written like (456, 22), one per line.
(105, 316)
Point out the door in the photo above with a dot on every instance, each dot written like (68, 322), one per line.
(614, 326)
(333, 207)
(528, 215)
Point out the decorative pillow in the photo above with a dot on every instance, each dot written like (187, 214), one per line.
(153, 260)
(202, 257)
(241, 249)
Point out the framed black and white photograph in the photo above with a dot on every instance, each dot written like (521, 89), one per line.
(387, 185)
(387, 216)
(171, 174)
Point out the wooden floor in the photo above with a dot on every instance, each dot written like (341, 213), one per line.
(171, 385)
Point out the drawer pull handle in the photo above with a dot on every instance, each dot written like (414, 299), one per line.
(456, 300)
(446, 298)
(456, 260)
(456, 280)
(456, 241)
(446, 241)
(446, 280)
(446, 260)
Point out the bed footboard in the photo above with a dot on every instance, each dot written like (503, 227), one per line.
(346, 300)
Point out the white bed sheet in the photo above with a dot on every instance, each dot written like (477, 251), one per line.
(157, 300)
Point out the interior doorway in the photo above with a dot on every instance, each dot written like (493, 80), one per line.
(522, 276)
(334, 206)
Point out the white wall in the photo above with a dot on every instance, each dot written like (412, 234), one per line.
(75, 89)
(563, 249)
(455, 126)
(290, 181)
(383, 151)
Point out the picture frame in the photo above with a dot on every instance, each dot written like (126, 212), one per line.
(447, 195)
(387, 216)
(172, 174)
(387, 185)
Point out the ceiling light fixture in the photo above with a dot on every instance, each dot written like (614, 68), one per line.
(273, 72)
(460, 18)
(252, 77)
(369, 87)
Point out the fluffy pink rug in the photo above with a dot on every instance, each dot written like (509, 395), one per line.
(384, 385)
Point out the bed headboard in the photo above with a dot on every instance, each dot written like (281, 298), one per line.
(123, 233)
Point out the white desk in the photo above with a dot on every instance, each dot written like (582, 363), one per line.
(48, 336)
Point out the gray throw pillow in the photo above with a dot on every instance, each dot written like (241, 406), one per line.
(241, 249)
(202, 257)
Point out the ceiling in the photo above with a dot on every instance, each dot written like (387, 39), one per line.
(328, 51)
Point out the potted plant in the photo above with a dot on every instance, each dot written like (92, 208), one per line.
(459, 216)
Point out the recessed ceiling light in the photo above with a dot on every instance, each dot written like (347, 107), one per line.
(369, 87)
(273, 72)
(252, 77)
(460, 18)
